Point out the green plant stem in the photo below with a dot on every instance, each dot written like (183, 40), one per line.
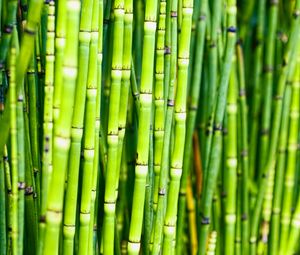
(141, 167)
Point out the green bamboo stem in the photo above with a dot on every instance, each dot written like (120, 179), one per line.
(293, 239)
(191, 118)
(60, 42)
(62, 132)
(256, 101)
(244, 150)
(89, 136)
(159, 101)
(13, 217)
(292, 141)
(230, 181)
(141, 168)
(275, 127)
(112, 129)
(95, 189)
(279, 176)
(148, 218)
(47, 120)
(163, 178)
(213, 79)
(215, 157)
(31, 210)
(268, 80)
(125, 82)
(85, 35)
(32, 84)
(9, 23)
(180, 127)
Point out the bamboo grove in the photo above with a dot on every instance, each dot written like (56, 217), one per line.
(149, 127)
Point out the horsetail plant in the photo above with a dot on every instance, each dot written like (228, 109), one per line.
(141, 127)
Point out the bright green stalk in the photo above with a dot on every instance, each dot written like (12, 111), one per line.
(180, 126)
(256, 101)
(191, 119)
(159, 102)
(279, 175)
(95, 191)
(62, 132)
(148, 218)
(244, 150)
(231, 163)
(288, 187)
(48, 121)
(167, 57)
(89, 136)
(141, 168)
(31, 210)
(268, 80)
(60, 42)
(138, 35)
(215, 155)
(275, 126)
(213, 79)
(77, 126)
(32, 84)
(163, 178)
(11, 18)
(13, 216)
(125, 82)
(294, 235)
(3, 232)
(112, 129)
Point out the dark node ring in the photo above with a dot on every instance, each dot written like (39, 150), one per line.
(205, 220)
(296, 14)
(20, 98)
(21, 185)
(208, 131)
(223, 194)
(244, 217)
(167, 50)
(30, 32)
(8, 28)
(212, 45)
(231, 29)
(274, 2)
(173, 14)
(239, 41)
(43, 219)
(170, 103)
(5, 158)
(265, 131)
(284, 62)
(265, 175)
(268, 69)
(28, 190)
(106, 21)
(244, 153)
(225, 131)
(242, 92)
(202, 17)
(218, 128)
(162, 192)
